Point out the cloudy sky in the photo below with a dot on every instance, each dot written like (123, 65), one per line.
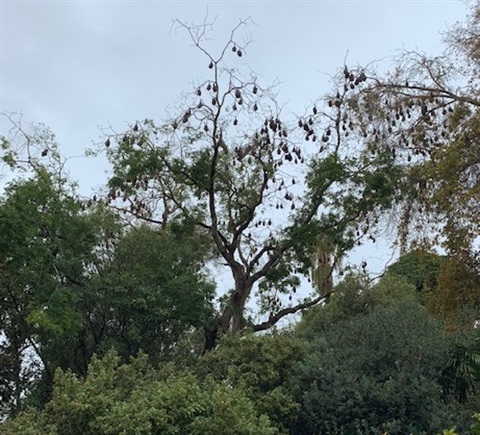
(80, 65)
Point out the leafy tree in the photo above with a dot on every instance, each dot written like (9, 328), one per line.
(355, 296)
(151, 291)
(48, 248)
(229, 160)
(134, 399)
(375, 373)
(456, 297)
(262, 366)
(420, 268)
(449, 285)
(355, 300)
(72, 284)
(461, 374)
(426, 113)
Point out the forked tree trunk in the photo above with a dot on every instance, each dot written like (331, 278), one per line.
(238, 299)
(232, 318)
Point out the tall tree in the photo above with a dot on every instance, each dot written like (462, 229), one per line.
(48, 250)
(265, 189)
(73, 283)
(150, 291)
(426, 111)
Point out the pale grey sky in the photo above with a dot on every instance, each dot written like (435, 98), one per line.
(76, 65)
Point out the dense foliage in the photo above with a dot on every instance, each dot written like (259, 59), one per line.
(112, 323)
(73, 283)
(375, 373)
(133, 399)
(364, 363)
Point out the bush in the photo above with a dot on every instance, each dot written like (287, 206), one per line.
(375, 373)
(133, 399)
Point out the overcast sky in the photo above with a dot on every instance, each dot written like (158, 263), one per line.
(78, 65)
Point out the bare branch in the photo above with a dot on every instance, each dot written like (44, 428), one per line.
(273, 319)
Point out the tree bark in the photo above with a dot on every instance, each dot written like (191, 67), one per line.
(232, 318)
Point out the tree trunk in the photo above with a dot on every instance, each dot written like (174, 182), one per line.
(211, 336)
(238, 299)
(232, 318)
(237, 302)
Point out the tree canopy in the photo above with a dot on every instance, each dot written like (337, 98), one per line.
(229, 160)
(73, 282)
(112, 321)
(426, 113)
